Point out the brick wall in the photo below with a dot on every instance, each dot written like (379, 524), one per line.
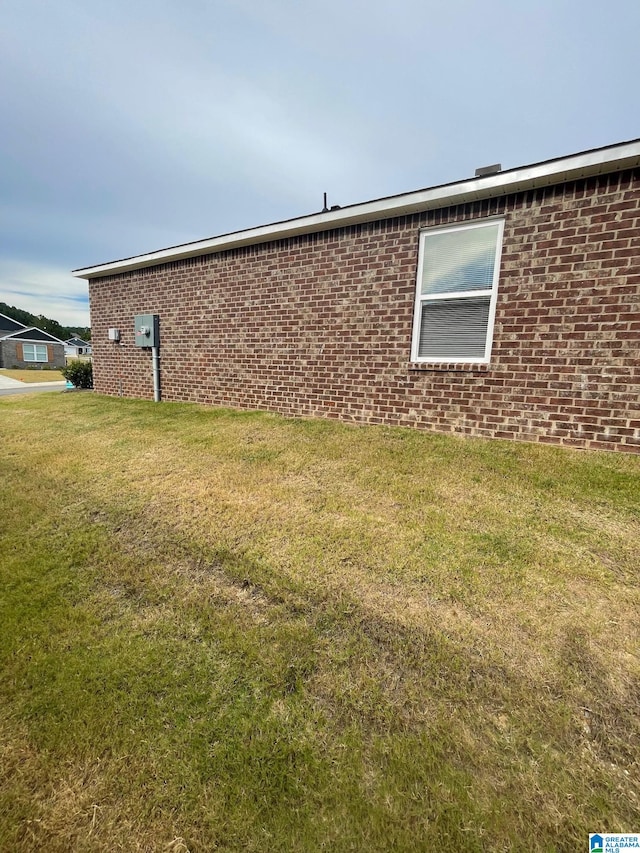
(11, 355)
(321, 325)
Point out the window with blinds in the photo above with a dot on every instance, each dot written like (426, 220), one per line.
(456, 292)
(34, 352)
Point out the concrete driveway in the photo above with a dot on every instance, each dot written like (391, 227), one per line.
(14, 386)
(6, 382)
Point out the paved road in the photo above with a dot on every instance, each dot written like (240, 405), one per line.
(34, 388)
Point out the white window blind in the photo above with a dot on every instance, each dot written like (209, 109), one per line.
(454, 329)
(34, 352)
(456, 292)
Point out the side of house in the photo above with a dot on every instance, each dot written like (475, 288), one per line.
(76, 348)
(503, 306)
(22, 346)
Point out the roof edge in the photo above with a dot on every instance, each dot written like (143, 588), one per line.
(31, 340)
(13, 320)
(611, 158)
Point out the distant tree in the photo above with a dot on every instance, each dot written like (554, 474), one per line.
(82, 332)
(47, 325)
(17, 314)
(52, 326)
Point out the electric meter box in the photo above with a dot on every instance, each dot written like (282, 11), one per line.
(146, 330)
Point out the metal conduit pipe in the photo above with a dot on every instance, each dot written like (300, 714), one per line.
(156, 373)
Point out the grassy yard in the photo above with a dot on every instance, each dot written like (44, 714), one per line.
(235, 632)
(33, 375)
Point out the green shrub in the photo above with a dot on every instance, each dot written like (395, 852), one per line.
(80, 373)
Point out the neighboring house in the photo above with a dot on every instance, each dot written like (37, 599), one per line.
(505, 305)
(75, 347)
(23, 346)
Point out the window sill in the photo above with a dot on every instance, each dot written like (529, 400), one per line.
(452, 367)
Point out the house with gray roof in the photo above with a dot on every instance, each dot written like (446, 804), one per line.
(76, 347)
(25, 346)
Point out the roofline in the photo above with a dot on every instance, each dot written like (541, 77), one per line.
(13, 320)
(32, 340)
(598, 161)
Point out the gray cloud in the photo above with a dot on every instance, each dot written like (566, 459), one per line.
(131, 126)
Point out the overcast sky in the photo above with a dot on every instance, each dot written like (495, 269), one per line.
(127, 127)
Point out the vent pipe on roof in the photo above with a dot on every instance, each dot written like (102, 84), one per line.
(483, 171)
(325, 206)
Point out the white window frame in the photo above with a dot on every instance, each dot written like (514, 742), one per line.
(35, 359)
(421, 298)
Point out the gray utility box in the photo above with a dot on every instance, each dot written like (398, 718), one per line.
(146, 330)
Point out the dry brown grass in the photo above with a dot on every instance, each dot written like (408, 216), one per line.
(451, 625)
(30, 376)
(318, 524)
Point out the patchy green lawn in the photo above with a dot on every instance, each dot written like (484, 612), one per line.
(229, 631)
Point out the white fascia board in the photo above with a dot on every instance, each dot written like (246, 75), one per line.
(52, 338)
(13, 321)
(600, 161)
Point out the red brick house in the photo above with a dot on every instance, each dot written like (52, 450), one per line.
(504, 305)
